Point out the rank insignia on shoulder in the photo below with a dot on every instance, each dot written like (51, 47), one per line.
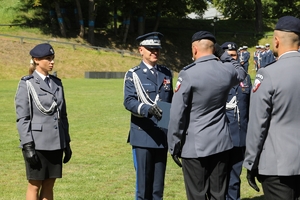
(25, 78)
(134, 68)
(178, 84)
(189, 66)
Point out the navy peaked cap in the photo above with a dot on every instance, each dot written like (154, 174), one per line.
(150, 40)
(42, 50)
(288, 24)
(229, 46)
(203, 35)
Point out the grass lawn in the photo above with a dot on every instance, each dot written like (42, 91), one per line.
(101, 166)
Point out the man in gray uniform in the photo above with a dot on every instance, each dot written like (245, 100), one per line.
(198, 130)
(273, 137)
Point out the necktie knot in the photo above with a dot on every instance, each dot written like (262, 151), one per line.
(154, 71)
(47, 80)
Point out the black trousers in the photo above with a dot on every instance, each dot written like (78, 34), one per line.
(150, 166)
(206, 177)
(281, 187)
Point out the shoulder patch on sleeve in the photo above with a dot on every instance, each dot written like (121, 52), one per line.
(178, 84)
(134, 69)
(25, 78)
(189, 66)
(258, 80)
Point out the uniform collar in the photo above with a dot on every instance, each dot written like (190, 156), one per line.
(41, 75)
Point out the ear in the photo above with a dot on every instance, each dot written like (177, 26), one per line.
(141, 51)
(276, 41)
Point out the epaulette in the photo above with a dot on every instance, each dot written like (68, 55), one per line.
(25, 78)
(189, 66)
(162, 66)
(134, 69)
(270, 63)
(54, 77)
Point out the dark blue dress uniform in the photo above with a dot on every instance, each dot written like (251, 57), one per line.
(237, 114)
(246, 57)
(149, 142)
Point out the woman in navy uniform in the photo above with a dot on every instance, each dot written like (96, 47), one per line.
(144, 86)
(42, 124)
(237, 112)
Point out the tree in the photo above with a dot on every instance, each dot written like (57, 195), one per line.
(92, 16)
(80, 18)
(60, 19)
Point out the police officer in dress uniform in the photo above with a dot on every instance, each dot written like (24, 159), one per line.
(237, 112)
(273, 137)
(198, 130)
(42, 124)
(245, 56)
(144, 85)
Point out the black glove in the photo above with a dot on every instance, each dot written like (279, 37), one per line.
(219, 51)
(155, 111)
(176, 154)
(251, 179)
(30, 154)
(68, 153)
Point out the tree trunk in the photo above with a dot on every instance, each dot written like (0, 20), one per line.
(92, 15)
(141, 19)
(81, 24)
(158, 15)
(115, 20)
(127, 24)
(258, 16)
(60, 20)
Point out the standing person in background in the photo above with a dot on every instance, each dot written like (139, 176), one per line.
(42, 124)
(198, 130)
(256, 56)
(237, 112)
(245, 56)
(144, 85)
(273, 137)
(270, 58)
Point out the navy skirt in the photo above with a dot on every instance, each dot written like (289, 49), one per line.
(49, 165)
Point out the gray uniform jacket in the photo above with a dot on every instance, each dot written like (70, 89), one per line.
(197, 116)
(47, 131)
(273, 136)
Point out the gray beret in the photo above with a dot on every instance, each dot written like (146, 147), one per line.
(42, 50)
(288, 24)
(203, 35)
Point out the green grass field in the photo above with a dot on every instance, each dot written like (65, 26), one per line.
(101, 166)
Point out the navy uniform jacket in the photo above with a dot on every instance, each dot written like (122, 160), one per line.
(273, 136)
(48, 132)
(143, 130)
(238, 121)
(246, 57)
(197, 116)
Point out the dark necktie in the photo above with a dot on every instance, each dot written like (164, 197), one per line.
(47, 80)
(154, 72)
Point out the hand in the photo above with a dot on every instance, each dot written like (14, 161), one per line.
(155, 111)
(176, 154)
(251, 179)
(30, 154)
(68, 153)
(218, 50)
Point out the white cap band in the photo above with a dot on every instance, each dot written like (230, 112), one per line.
(150, 42)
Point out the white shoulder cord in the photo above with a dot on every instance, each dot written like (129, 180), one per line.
(37, 102)
(141, 93)
(232, 105)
